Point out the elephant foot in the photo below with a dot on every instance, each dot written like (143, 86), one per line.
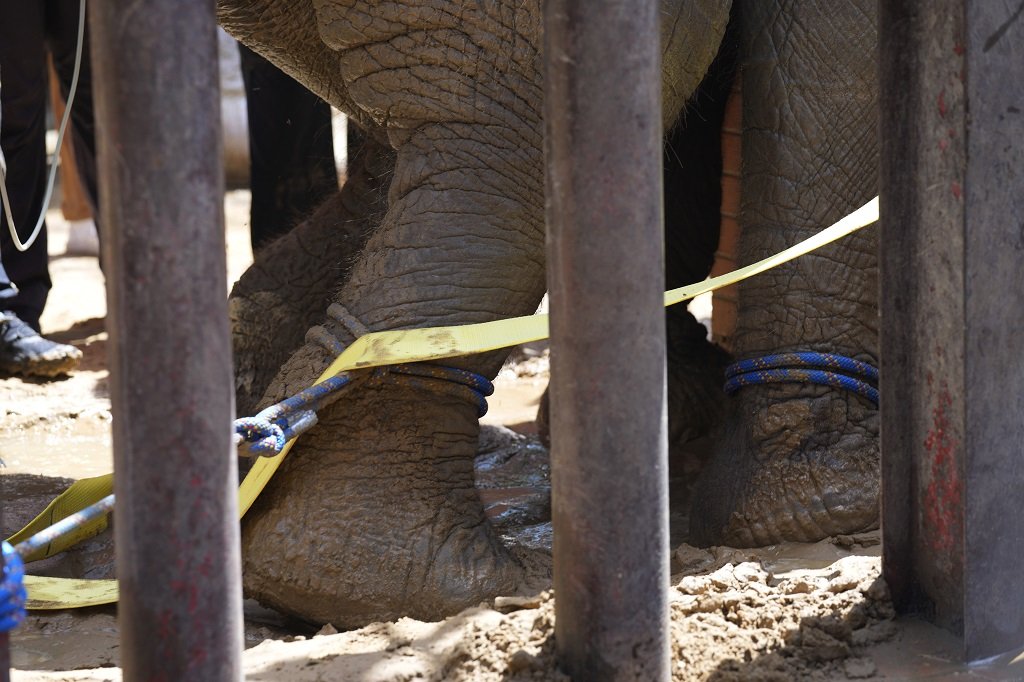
(796, 463)
(375, 516)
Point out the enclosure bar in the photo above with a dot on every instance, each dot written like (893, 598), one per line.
(608, 399)
(5, 637)
(952, 300)
(161, 170)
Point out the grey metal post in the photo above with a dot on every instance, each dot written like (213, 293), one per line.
(952, 300)
(178, 558)
(5, 638)
(605, 272)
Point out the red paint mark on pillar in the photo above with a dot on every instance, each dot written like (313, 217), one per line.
(959, 49)
(954, 187)
(942, 104)
(943, 500)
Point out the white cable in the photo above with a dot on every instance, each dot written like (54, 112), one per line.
(56, 154)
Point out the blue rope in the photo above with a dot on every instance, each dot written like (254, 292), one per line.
(826, 361)
(267, 432)
(69, 523)
(803, 368)
(12, 590)
(459, 383)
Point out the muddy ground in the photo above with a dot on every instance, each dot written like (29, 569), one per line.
(796, 612)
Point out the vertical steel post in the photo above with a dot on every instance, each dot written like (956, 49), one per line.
(952, 299)
(178, 557)
(5, 638)
(603, 142)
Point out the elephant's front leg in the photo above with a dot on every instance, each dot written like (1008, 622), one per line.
(375, 515)
(799, 461)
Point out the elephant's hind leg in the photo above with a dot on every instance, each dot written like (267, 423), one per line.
(375, 514)
(801, 461)
(292, 280)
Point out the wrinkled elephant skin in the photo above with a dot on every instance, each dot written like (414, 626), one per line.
(801, 462)
(374, 515)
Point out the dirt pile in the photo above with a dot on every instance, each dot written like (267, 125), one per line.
(735, 621)
(741, 622)
(738, 622)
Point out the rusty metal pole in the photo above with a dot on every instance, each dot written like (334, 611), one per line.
(5, 638)
(603, 142)
(952, 297)
(178, 558)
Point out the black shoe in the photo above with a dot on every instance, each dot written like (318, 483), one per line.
(24, 352)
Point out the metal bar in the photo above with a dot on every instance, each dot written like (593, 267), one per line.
(5, 637)
(952, 292)
(158, 118)
(605, 253)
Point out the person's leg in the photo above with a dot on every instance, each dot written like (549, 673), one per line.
(7, 288)
(62, 41)
(24, 276)
(62, 20)
(291, 153)
(23, 140)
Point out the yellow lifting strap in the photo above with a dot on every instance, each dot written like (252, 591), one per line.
(79, 495)
(372, 350)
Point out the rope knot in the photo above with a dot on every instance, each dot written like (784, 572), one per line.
(263, 436)
(12, 590)
(267, 432)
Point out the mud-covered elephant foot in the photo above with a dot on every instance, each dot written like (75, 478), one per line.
(374, 516)
(782, 472)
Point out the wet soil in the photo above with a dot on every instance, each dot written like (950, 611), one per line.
(789, 612)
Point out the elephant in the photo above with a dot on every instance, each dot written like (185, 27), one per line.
(374, 515)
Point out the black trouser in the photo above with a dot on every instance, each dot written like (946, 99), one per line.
(28, 29)
(290, 148)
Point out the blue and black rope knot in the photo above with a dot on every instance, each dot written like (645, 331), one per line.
(824, 369)
(12, 590)
(267, 432)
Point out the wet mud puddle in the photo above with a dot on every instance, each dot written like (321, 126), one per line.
(67, 641)
(78, 448)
